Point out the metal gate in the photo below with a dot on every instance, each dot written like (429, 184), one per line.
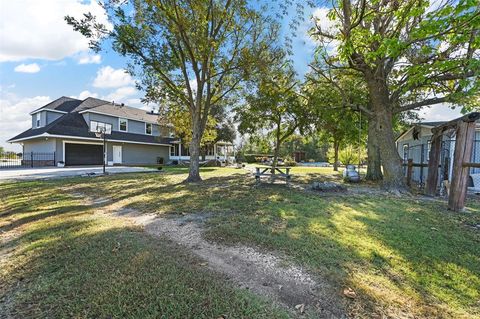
(31, 159)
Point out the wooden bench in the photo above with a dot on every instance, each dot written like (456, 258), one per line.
(283, 172)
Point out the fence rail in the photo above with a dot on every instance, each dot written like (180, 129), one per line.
(31, 159)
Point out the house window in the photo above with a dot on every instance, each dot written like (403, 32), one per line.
(148, 128)
(174, 150)
(97, 126)
(123, 125)
(38, 119)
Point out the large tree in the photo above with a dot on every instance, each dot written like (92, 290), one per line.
(411, 54)
(275, 104)
(192, 53)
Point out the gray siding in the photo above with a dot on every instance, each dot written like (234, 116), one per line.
(40, 145)
(139, 153)
(52, 116)
(137, 127)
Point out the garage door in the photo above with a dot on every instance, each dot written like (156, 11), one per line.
(83, 154)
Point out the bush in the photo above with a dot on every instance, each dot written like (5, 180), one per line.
(289, 161)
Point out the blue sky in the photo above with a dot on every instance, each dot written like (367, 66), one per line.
(42, 58)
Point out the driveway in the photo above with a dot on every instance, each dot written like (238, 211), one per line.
(55, 172)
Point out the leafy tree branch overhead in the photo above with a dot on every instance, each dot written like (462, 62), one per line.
(194, 53)
(410, 54)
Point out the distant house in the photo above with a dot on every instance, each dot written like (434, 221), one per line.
(66, 129)
(414, 143)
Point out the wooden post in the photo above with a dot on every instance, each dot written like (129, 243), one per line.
(463, 153)
(409, 172)
(433, 162)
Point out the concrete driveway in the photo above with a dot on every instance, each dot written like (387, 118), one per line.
(56, 172)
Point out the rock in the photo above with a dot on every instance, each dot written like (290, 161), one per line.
(328, 187)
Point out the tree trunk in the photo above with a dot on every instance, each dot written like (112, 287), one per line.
(277, 149)
(194, 170)
(393, 179)
(336, 146)
(374, 168)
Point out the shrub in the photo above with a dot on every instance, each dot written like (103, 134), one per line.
(289, 161)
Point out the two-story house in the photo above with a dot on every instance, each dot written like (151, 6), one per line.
(66, 128)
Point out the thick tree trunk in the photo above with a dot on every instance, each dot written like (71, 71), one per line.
(393, 179)
(336, 147)
(374, 168)
(194, 170)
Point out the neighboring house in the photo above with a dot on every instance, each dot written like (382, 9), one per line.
(414, 144)
(66, 128)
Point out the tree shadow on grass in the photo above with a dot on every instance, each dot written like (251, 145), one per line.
(83, 267)
(440, 257)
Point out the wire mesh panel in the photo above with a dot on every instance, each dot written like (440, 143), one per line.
(418, 154)
(31, 159)
(475, 157)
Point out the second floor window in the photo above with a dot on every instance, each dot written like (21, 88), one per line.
(38, 120)
(148, 128)
(122, 124)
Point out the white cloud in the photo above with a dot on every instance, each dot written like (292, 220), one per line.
(320, 18)
(27, 68)
(90, 59)
(84, 94)
(108, 77)
(37, 29)
(14, 117)
(440, 112)
(120, 94)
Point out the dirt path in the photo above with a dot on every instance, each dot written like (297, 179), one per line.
(263, 273)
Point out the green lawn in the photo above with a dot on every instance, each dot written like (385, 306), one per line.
(405, 257)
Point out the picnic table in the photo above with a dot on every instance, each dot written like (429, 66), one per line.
(273, 173)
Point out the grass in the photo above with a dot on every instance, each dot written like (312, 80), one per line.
(405, 257)
(64, 261)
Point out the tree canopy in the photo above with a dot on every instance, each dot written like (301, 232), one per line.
(191, 53)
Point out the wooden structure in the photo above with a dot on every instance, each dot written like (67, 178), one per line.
(410, 165)
(299, 156)
(465, 133)
(271, 171)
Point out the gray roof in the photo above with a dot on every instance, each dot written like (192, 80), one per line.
(64, 104)
(73, 123)
(434, 124)
(119, 110)
(68, 104)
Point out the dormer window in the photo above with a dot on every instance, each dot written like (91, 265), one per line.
(123, 125)
(37, 122)
(148, 128)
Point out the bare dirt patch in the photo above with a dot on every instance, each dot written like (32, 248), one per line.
(264, 273)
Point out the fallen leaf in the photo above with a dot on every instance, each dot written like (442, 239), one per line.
(300, 308)
(349, 293)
